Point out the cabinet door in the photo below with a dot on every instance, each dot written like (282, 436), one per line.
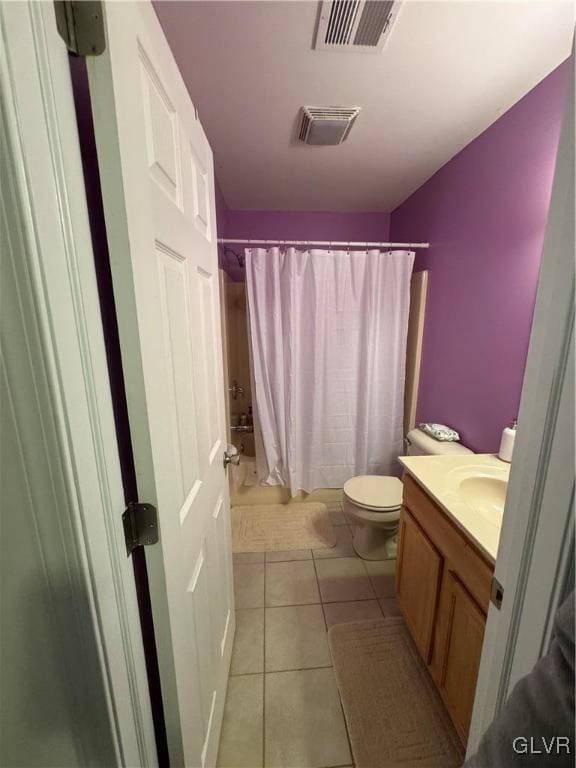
(417, 582)
(459, 646)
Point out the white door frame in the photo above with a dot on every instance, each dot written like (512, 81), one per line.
(55, 272)
(536, 553)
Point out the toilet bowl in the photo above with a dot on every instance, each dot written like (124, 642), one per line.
(373, 501)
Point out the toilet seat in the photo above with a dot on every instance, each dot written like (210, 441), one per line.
(375, 493)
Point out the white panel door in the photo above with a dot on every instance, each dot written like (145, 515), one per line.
(158, 186)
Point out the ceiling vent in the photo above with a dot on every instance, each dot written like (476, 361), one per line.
(360, 26)
(326, 126)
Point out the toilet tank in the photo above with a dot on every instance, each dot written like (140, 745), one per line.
(421, 444)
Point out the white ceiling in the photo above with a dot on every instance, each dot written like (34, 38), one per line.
(448, 71)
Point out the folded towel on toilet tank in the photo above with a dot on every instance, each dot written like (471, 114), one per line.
(439, 432)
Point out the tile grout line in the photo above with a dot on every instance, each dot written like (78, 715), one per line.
(281, 671)
(301, 559)
(345, 725)
(372, 587)
(325, 621)
(322, 602)
(320, 594)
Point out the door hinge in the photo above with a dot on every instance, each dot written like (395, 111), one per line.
(496, 593)
(140, 525)
(80, 24)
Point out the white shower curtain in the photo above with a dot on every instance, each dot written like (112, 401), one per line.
(328, 336)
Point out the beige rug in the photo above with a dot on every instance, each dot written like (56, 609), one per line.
(394, 714)
(280, 527)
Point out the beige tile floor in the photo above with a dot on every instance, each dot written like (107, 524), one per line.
(283, 709)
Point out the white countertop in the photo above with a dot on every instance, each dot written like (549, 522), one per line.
(438, 475)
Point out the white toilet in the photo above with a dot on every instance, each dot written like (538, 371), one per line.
(374, 501)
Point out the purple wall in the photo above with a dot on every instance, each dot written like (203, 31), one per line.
(484, 214)
(294, 225)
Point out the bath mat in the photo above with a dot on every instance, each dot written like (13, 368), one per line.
(279, 527)
(395, 716)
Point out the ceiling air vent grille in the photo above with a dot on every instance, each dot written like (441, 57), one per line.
(362, 26)
(326, 126)
(341, 21)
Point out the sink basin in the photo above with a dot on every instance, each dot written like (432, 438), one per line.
(483, 488)
(486, 494)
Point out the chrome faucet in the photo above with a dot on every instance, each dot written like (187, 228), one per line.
(236, 389)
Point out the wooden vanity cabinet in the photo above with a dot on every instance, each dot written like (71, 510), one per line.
(443, 587)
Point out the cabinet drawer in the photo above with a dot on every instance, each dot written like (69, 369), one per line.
(473, 570)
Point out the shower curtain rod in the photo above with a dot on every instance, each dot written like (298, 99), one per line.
(330, 243)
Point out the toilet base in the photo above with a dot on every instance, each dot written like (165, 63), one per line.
(372, 543)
